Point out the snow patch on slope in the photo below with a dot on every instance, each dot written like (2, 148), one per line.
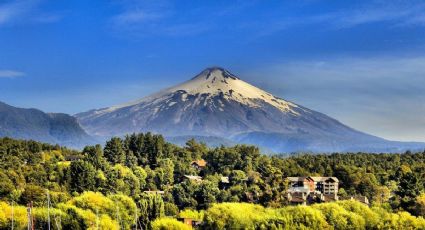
(210, 83)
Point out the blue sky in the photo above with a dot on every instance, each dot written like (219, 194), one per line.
(362, 62)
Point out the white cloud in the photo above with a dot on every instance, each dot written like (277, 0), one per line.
(10, 74)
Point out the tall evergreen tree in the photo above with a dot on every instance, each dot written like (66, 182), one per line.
(94, 155)
(82, 176)
(408, 190)
(151, 208)
(114, 151)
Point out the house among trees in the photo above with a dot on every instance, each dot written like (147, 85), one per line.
(193, 178)
(224, 182)
(72, 158)
(361, 199)
(154, 192)
(307, 190)
(189, 221)
(199, 164)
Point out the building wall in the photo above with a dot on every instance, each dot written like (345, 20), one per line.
(309, 184)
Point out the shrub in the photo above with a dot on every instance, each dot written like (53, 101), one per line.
(304, 217)
(371, 218)
(167, 223)
(236, 216)
(339, 218)
(193, 214)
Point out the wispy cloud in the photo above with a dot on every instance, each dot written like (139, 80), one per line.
(185, 29)
(396, 14)
(133, 12)
(160, 17)
(10, 74)
(381, 95)
(237, 6)
(146, 18)
(47, 18)
(18, 11)
(136, 17)
(416, 20)
(10, 11)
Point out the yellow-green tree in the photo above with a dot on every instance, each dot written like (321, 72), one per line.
(167, 223)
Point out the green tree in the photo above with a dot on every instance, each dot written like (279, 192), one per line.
(237, 177)
(154, 148)
(184, 194)
(420, 205)
(164, 174)
(114, 151)
(408, 190)
(6, 185)
(82, 176)
(33, 193)
(151, 208)
(94, 155)
(206, 194)
(135, 143)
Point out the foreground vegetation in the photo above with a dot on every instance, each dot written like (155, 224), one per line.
(94, 211)
(336, 215)
(105, 187)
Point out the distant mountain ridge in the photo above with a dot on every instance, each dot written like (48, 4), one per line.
(216, 103)
(56, 128)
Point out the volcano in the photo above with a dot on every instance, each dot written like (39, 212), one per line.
(218, 105)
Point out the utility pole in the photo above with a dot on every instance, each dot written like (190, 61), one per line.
(58, 223)
(12, 215)
(30, 217)
(97, 219)
(135, 216)
(48, 210)
(118, 217)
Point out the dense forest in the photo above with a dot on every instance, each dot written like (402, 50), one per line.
(138, 182)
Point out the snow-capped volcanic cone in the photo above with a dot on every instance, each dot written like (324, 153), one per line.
(217, 103)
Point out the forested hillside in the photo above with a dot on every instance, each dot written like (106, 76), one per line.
(139, 182)
(57, 128)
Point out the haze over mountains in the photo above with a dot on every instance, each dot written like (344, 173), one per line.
(216, 105)
(56, 128)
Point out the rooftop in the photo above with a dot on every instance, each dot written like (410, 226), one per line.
(317, 179)
(200, 163)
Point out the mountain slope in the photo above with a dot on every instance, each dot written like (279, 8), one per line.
(34, 124)
(217, 103)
